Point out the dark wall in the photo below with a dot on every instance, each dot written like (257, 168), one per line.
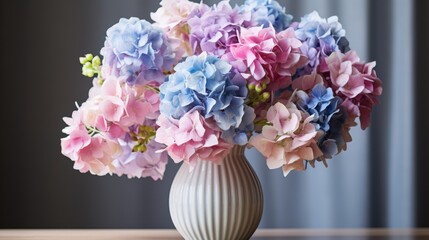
(41, 80)
(421, 51)
(379, 28)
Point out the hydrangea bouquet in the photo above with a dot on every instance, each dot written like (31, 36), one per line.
(201, 79)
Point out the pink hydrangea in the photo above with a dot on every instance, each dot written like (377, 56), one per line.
(172, 13)
(191, 138)
(307, 82)
(172, 17)
(261, 55)
(289, 141)
(115, 106)
(98, 128)
(355, 82)
(77, 138)
(127, 105)
(89, 153)
(97, 157)
(289, 59)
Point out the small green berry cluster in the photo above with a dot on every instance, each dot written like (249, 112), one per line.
(90, 65)
(257, 94)
(142, 136)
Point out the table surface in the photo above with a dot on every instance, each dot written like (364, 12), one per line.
(269, 234)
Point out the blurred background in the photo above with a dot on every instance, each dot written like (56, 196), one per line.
(380, 181)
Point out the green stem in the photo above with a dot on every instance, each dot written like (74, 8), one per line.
(155, 89)
(92, 131)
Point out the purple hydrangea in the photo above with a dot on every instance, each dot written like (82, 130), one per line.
(206, 84)
(213, 29)
(137, 50)
(150, 163)
(267, 13)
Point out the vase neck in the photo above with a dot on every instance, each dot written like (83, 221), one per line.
(237, 150)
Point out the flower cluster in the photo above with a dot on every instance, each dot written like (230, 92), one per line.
(115, 120)
(320, 37)
(138, 50)
(172, 18)
(264, 56)
(214, 29)
(289, 140)
(267, 13)
(201, 79)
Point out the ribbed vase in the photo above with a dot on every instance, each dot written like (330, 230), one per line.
(214, 201)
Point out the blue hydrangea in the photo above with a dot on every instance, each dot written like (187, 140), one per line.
(136, 49)
(321, 103)
(240, 135)
(320, 37)
(320, 32)
(332, 142)
(266, 13)
(207, 84)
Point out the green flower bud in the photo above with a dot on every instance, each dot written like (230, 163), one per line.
(136, 148)
(251, 86)
(100, 81)
(258, 88)
(96, 61)
(82, 60)
(265, 95)
(90, 65)
(89, 74)
(142, 137)
(89, 56)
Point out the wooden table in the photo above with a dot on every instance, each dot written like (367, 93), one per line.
(270, 234)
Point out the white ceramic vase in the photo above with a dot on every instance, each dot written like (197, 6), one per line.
(214, 201)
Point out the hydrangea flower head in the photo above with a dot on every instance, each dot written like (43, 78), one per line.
(213, 29)
(207, 84)
(267, 13)
(94, 154)
(321, 103)
(289, 140)
(307, 82)
(263, 55)
(137, 50)
(172, 16)
(191, 138)
(355, 82)
(240, 135)
(336, 138)
(320, 32)
(172, 13)
(320, 37)
(119, 103)
(150, 163)
(99, 131)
